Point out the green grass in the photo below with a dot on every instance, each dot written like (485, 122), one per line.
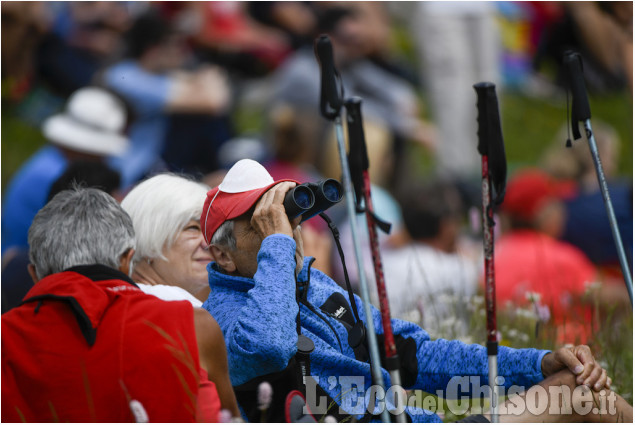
(530, 124)
(19, 141)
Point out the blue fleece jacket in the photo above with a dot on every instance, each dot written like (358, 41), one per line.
(258, 319)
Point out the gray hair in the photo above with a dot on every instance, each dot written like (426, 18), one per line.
(224, 236)
(160, 207)
(79, 227)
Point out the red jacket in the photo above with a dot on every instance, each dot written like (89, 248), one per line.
(87, 342)
(529, 261)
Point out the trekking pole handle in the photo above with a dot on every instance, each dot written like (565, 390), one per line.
(580, 110)
(356, 140)
(489, 128)
(490, 138)
(330, 99)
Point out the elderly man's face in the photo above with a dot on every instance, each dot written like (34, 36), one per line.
(248, 241)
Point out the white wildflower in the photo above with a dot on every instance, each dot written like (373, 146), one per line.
(592, 287)
(413, 316)
(534, 297)
(466, 339)
(526, 314)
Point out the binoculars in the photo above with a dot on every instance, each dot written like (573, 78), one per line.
(310, 199)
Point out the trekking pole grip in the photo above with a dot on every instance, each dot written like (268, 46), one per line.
(488, 120)
(490, 136)
(330, 99)
(580, 109)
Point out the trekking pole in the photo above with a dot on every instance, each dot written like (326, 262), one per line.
(494, 173)
(580, 111)
(358, 163)
(330, 106)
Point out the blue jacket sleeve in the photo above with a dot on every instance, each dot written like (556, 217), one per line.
(440, 360)
(148, 93)
(262, 337)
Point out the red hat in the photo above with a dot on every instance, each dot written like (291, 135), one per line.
(528, 191)
(241, 188)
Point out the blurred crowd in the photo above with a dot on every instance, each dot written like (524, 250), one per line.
(153, 102)
(126, 90)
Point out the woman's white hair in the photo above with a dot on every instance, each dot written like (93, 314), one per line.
(160, 207)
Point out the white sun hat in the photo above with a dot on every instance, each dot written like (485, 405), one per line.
(93, 122)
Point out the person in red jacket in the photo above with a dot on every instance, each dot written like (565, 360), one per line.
(536, 270)
(87, 345)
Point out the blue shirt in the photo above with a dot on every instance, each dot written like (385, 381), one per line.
(27, 193)
(588, 225)
(258, 320)
(147, 94)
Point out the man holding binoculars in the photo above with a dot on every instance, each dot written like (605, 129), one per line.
(293, 326)
(282, 206)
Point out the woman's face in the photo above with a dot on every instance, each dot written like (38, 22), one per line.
(187, 260)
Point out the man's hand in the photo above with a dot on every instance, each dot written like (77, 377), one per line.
(269, 216)
(580, 362)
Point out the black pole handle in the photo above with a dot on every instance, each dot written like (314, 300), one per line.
(490, 136)
(330, 99)
(357, 155)
(580, 110)
(358, 161)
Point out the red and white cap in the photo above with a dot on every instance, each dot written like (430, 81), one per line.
(243, 185)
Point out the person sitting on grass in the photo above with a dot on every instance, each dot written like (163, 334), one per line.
(534, 267)
(269, 301)
(87, 345)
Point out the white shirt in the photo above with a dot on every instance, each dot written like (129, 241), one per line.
(170, 293)
(430, 287)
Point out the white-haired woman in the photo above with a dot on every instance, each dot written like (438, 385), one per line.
(170, 262)
(171, 257)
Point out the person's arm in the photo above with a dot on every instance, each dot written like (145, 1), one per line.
(440, 360)
(203, 91)
(261, 335)
(213, 358)
(394, 101)
(603, 36)
(146, 92)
